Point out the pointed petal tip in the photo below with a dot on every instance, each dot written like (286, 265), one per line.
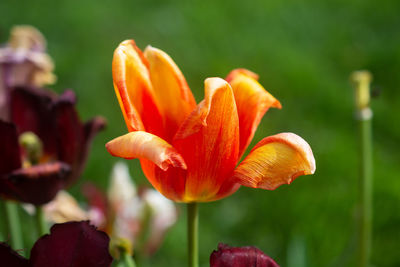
(241, 71)
(277, 104)
(215, 83)
(150, 49)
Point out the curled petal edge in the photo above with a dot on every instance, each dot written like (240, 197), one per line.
(144, 145)
(276, 160)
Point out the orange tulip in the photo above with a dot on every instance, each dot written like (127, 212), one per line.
(190, 152)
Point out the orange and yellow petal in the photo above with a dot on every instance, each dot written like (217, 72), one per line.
(276, 160)
(209, 142)
(134, 90)
(171, 90)
(145, 145)
(252, 101)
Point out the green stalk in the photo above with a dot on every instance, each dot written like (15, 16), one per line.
(193, 236)
(362, 80)
(13, 224)
(127, 259)
(40, 221)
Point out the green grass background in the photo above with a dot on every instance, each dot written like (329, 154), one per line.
(304, 52)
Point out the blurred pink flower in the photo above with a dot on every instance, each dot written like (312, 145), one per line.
(23, 62)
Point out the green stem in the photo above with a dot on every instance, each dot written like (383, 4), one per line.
(40, 221)
(362, 80)
(128, 260)
(193, 237)
(13, 224)
(365, 196)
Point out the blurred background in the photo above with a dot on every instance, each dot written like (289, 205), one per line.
(304, 52)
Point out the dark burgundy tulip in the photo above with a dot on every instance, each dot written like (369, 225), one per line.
(37, 184)
(227, 256)
(71, 244)
(66, 141)
(10, 258)
(76, 244)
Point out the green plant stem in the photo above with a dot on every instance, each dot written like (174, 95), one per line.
(193, 236)
(40, 221)
(365, 195)
(361, 81)
(127, 259)
(13, 224)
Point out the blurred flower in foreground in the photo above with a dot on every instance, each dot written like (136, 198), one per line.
(23, 62)
(189, 153)
(131, 218)
(70, 244)
(45, 145)
(141, 217)
(227, 256)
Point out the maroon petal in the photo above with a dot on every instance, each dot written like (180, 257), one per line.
(75, 244)
(91, 128)
(10, 158)
(74, 138)
(69, 129)
(37, 184)
(31, 111)
(10, 258)
(227, 256)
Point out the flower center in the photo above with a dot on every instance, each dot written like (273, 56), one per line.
(32, 149)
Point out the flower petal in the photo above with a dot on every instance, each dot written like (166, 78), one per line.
(69, 131)
(72, 244)
(74, 138)
(11, 258)
(174, 97)
(227, 256)
(209, 142)
(276, 160)
(252, 101)
(9, 153)
(37, 185)
(31, 111)
(163, 216)
(134, 89)
(144, 145)
(64, 208)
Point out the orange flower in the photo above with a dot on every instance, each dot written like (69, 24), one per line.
(189, 152)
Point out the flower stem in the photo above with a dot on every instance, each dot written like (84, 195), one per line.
(193, 237)
(13, 224)
(128, 260)
(362, 81)
(40, 221)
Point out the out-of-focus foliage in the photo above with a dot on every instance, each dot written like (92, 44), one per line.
(304, 52)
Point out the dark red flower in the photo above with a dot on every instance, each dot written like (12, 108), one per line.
(76, 244)
(66, 141)
(72, 244)
(227, 256)
(10, 258)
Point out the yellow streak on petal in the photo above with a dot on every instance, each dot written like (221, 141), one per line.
(276, 160)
